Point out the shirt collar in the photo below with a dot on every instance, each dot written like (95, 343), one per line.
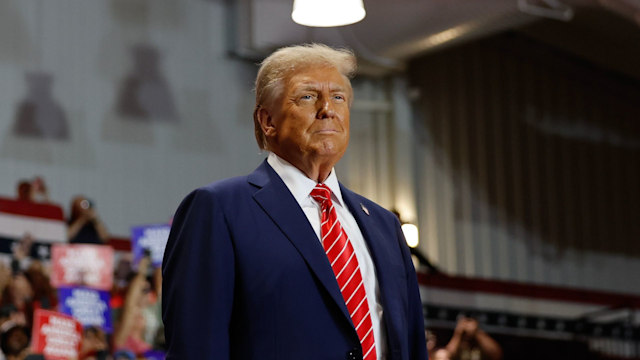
(298, 183)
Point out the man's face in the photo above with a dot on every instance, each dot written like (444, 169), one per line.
(310, 120)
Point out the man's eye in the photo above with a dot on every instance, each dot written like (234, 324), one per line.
(339, 97)
(306, 97)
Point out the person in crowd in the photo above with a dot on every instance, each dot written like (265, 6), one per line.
(441, 354)
(121, 273)
(28, 291)
(23, 190)
(18, 293)
(130, 330)
(28, 287)
(85, 225)
(20, 251)
(15, 341)
(24, 290)
(154, 329)
(33, 190)
(14, 332)
(94, 345)
(287, 263)
(469, 342)
(39, 192)
(431, 342)
(9, 314)
(44, 294)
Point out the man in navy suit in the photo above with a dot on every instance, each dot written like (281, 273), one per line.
(246, 274)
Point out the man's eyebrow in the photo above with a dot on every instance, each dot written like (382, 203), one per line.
(312, 86)
(306, 86)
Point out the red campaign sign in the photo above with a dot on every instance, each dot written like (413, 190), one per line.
(56, 336)
(82, 265)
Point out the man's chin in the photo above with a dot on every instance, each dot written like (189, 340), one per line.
(330, 149)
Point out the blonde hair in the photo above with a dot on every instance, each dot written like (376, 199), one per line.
(284, 61)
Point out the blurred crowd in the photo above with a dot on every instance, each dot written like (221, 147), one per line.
(84, 224)
(468, 342)
(25, 286)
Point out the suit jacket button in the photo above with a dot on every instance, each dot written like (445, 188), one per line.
(354, 354)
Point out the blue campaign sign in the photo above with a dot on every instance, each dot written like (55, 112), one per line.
(152, 238)
(89, 306)
(154, 355)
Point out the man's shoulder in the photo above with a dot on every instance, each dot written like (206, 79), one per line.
(221, 189)
(216, 196)
(230, 185)
(225, 185)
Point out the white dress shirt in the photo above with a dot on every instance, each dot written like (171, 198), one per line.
(300, 187)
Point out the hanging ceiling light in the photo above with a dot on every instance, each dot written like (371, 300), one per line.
(326, 13)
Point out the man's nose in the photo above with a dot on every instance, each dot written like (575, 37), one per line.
(325, 109)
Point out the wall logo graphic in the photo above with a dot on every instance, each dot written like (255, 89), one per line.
(145, 93)
(39, 115)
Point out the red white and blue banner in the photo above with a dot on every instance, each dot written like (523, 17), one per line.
(44, 223)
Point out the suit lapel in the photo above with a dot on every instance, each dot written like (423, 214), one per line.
(276, 200)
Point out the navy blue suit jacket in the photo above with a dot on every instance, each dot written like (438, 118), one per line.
(245, 277)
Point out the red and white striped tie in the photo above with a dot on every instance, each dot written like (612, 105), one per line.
(345, 266)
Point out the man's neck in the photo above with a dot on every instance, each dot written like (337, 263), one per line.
(316, 169)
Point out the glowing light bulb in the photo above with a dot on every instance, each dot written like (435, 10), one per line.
(327, 13)
(411, 234)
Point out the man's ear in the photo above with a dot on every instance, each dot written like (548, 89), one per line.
(266, 122)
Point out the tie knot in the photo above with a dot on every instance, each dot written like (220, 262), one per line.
(322, 194)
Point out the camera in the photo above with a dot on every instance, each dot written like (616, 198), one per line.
(86, 204)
